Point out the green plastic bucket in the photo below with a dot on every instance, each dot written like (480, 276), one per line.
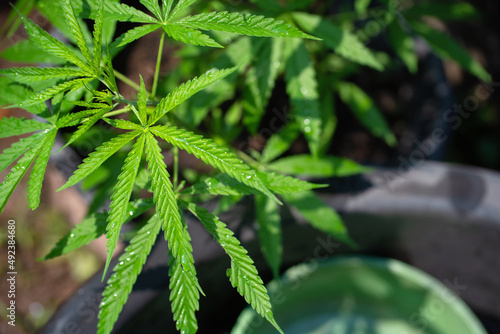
(362, 295)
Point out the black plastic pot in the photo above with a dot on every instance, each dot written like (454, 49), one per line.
(443, 219)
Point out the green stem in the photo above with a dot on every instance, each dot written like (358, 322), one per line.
(126, 80)
(118, 112)
(249, 160)
(158, 63)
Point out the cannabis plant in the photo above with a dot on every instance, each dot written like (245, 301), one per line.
(76, 89)
(83, 91)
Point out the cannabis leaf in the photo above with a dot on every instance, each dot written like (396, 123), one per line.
(18, 171)
(244, 24)
(366, 111)
(13, 126)
(38, 172)
(37, 74)
(93, 227)
(270, 237)
(12, 153)
(212, 154)
(51, 45)
(328, 166)
(190, 36)
(340, 40)
(121, 196)
(243, 274)
(261, 79)
(302, 87)
(447, 48)
(98, 157)
(319, 215)
(175, 233)
(186, 90)
(125, 274)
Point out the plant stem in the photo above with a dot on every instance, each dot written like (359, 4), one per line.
(126, 80)
(176, 167)
(249, 160)
(118, 112)
(158, 63)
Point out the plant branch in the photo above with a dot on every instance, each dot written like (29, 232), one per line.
(158, 63)
(126, 80)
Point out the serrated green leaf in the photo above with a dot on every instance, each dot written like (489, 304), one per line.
(167, 7)
(153, 7)
(13, 126)
(404, 45)
(220, 185)
(97, 158)
(184, 294)
(14, 92)
(166, 204)
(182, 5)
(16, 174)
(328, 166)
(51, 45)
(38, 173)
(175, 233)
(74, 119)
(143, 103)
(86, 125)
(447, 48)
(448, 11)
(28, 52)
(270, 236)
(283, 184)
(190, 36)
(212, 154)
(93, 227)
(244, 24)
(227, 186)
(129, 266)
(339, 40)
(319, 215)
(195, 110)
(243, 274)
(98, 32)
(302, 88)
(134, 34)
(186, 90)
(366, 111)
(12, 153)
(114, 10)
(261, 78)
(280, 142)
(76, 30)
(121, 196)
(37, 74)
(49, 93)
(123, 124)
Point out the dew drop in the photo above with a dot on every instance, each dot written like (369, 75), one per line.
(277, 64)
(131, 213)
(307, 121)
(121, 263)
(128, 259)
(307, 129)
(72, 235)
(304, 91)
